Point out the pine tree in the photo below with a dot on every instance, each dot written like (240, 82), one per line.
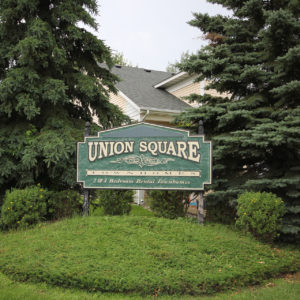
(254, 56)
(51, 82)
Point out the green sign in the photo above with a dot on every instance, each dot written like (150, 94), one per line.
(144, 156)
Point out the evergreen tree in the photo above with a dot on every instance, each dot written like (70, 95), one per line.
(51, 82)
(254, 56)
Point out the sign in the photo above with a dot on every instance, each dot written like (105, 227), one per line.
(144, 156)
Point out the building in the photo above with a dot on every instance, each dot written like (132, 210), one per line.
(153, 96)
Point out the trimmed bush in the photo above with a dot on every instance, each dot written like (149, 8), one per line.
(22, 208)
(138, 255)
(63, 204)
(115, 202)
(168, 204)
(260, 214)
(220, 213)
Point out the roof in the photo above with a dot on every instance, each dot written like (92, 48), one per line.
(138, 85)
(176, 78)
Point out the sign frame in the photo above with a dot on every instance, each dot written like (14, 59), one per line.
(176, 173)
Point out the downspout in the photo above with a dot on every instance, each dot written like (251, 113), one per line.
(146, 114)
(142, 120)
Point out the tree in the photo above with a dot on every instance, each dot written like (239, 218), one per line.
(119, 59)
(254, 56)
(169, 204)
(174, 67)
(115, 202)
(51, 82)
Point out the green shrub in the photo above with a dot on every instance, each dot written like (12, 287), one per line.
(115, 202)
(220, 213)
(260, 214)
(137, 255)
(1, 200)
(63, 204)
(168, 204)
(25, 207)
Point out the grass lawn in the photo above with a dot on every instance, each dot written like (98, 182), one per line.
(140, 255)
(287, 288)
(136, 210)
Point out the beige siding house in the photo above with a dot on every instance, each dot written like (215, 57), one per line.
(141, 100)
(155, 96)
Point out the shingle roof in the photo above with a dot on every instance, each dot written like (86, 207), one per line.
(138, 85)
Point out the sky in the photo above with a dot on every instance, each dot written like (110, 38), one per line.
(152, 33)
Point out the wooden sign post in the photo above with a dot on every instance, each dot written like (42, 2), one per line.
(86, 194)
(200, 199)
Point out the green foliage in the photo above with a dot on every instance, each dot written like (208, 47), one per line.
(22, 208)
(119, 59)
(140, 255)
(220, 212)
(173, 67)
(136, 211)
(52, 80)
(260, 214)
(168, 204)
(29, 206)
(115, 202)
(252, 56)
(287, 288)
(63, 204)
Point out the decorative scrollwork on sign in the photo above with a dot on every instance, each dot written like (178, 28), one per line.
(142, 160)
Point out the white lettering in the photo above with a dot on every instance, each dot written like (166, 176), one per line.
(111, 153)
(103, 149)
(193, 151)
(181, 146)
(171, 149)
(143, 146)
(119, 148)
(160, 150)
(92, 150)
(152, 147)
(129, 147)
(183, 149)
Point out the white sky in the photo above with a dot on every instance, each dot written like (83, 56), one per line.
(151, 33)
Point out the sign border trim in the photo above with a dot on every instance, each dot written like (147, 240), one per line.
(145, 188)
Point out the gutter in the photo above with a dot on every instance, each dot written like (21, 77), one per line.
(153, 109)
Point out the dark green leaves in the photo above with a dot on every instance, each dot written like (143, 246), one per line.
(51, 82)
(256, 129)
